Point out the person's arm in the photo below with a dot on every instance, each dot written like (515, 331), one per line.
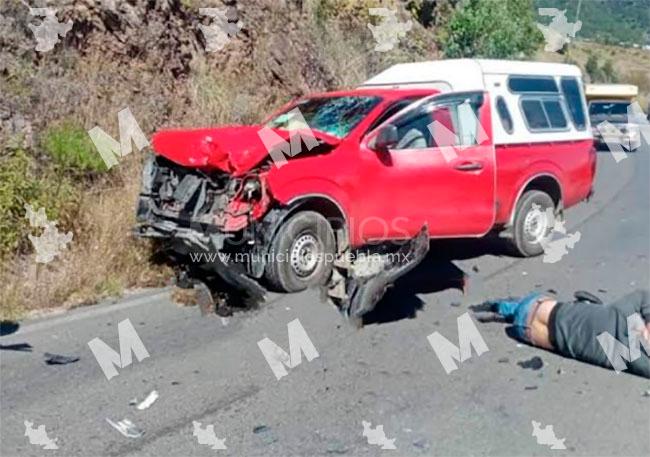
(635, 302)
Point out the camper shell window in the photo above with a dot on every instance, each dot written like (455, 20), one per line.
(573, 97)
(543, 113)
(532, 84)
(504, 115)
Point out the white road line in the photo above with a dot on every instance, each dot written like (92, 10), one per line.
(90, 312)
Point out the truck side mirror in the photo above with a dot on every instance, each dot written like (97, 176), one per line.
(386, 138)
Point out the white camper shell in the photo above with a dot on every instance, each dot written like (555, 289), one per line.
(531, 102)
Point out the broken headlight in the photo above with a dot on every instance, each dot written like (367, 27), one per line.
(252, 189)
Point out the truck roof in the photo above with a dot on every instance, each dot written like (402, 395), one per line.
(611, 91)
(462, 74)
(383, 92)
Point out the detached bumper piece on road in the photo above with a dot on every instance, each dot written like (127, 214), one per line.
(356, 290)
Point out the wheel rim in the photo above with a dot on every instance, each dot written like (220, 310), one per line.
(304, 255)
(536, 225)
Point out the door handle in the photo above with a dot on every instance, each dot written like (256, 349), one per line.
(469, 166)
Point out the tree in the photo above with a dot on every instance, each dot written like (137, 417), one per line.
(600, 74)
(592, 68)
(491, 29)
(609, 74)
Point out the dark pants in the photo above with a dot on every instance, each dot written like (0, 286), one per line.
(574, 328)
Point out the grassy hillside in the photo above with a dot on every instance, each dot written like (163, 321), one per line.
(150, 57)
(606, 21)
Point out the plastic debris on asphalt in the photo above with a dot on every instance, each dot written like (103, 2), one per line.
(56, 359)
(126, 428)
(534, 363)
(147, 402)
(20, 347)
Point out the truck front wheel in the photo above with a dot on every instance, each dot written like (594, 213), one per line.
(532, 223)
(301, 253)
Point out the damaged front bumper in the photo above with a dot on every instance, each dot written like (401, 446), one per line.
(205, 218)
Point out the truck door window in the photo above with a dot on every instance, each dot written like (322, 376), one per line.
(413, 131)
(391, 110)
(448, 120)
(444, 126)
(573, 96)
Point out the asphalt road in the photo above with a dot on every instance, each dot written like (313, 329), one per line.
(213, 372)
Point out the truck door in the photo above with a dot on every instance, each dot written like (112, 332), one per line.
(438, 169)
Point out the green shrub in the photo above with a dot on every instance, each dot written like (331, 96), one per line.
(72, 150)
(19, 185)
(500, 29)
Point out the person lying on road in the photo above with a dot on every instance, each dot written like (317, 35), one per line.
(579, 329)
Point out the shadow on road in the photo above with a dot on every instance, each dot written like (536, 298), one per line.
(435, 273)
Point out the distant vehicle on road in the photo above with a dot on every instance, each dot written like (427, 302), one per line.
(465, 147)
(609, 106)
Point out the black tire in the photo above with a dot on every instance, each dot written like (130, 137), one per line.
(291, 266)
(526, 232)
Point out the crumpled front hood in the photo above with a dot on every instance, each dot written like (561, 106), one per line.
(233, 149)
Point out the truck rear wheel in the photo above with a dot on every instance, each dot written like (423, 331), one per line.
(531, 223)
(301, 253)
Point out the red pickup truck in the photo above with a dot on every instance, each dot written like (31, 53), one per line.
(463, 147)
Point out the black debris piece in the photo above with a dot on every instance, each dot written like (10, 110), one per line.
(475, 269)
(57, 359)
(535, 363)
(552, 291)
(260, 429)
(455, 304)
(20, 347)
(602, 291)
(503, 360)
(422, 443)
(530, 388)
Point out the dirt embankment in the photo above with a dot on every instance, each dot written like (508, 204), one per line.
(149, 56)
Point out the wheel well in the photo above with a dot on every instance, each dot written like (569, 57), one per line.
(545, 183)
(330, 211)
(325, 207)
(548, 185)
